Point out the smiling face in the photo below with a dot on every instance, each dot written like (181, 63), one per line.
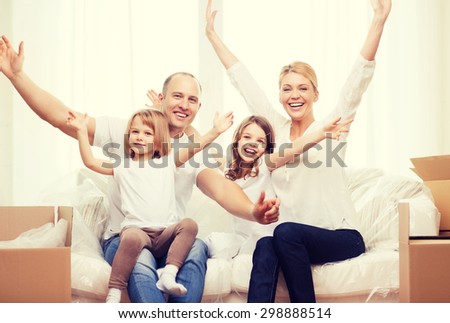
(180, 101)
(147, 135)
(252, 143)
(141, 138)
(297, 95)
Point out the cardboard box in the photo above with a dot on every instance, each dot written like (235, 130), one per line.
(435, 173)
(35, 275)
(424, 264)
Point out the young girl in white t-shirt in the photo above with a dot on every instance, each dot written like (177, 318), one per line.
(147, 190)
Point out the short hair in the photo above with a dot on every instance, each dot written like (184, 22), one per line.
(157, 121)
(170, 77)
(300, 68)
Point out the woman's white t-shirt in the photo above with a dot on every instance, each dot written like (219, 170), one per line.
(253, 186)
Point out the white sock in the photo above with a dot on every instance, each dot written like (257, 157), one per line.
(167, 282)
(114, 295)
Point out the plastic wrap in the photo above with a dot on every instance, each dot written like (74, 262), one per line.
(49, 235)
(90, 272)
(85, 197)
(376, 196)
(223, 245)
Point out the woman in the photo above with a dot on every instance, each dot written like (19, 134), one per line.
(319, 218)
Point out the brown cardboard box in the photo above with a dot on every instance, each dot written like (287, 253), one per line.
(40, 275)
(435, 173)
(424, 264)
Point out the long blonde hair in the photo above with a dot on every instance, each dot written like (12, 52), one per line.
(157, 121)
(235, 170)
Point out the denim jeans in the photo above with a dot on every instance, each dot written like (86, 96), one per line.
(294, 247)
(142, 283)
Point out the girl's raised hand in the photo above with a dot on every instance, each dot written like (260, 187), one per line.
(223, 122)
(78, 123)
(334, 129)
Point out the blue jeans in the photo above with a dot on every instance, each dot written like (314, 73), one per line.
(142, 283)
(294, 247)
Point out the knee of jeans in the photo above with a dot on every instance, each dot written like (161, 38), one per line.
(110, 247)
(285, 232)
(198, 253)
(263, 244)
(146, 261)
(286, 229)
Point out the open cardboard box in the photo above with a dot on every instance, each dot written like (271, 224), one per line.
(34, 275)
(424, 263)
(435, 173)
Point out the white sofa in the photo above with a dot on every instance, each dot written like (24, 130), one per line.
(371, 277)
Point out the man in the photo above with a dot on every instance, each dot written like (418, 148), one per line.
(180, 99)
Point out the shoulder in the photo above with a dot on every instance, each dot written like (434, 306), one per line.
(109, 129)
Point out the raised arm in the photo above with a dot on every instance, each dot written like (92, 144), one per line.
(381, 10)
(221, 124)
(45, 105)
(331, 130)
(79, 124)
(225, 55)
(230, 196)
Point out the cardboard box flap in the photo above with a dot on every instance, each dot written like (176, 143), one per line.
(432, 168)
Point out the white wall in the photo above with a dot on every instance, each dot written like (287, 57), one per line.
(445, 39)
(6, 94)
(409, 90)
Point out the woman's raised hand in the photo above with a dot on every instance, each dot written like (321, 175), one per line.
(381, 8)
(210, 16)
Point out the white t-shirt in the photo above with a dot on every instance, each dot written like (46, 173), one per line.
(313, 190)
(147, 192)
(109, 135)
(252, 186)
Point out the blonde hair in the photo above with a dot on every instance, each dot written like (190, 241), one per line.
(157, 121)
(236, 169)
(300, 68)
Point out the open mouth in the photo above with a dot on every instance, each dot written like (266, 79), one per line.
(250, 152)
(296, 105)
(181, 115)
